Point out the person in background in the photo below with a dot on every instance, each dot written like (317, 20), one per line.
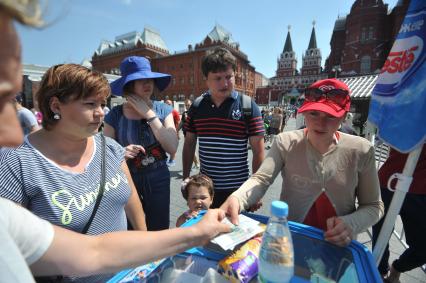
(198, 192)
(38, 115)
(222, 129)
(276, 121)
(275, 125)
(346, 126)
(147, 131)
(31, 245)
(284, 121)
(188, 104)
(329, 178)
(412, 214)
(268, 115)
(176, 120)
(27, 118)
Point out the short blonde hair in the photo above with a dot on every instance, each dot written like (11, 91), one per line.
(27, 12)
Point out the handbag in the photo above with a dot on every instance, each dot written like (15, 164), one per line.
(58, 279)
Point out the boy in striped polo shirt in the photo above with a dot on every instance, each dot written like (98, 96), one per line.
(222, 129)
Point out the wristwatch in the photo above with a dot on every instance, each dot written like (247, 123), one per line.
(150, 120)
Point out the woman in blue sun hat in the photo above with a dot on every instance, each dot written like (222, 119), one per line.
(146, 129)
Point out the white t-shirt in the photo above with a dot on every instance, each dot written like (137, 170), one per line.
(24, 239)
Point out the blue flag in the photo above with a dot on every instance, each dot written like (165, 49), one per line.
(398, 102)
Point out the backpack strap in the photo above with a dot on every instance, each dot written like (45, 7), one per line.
(246, 107)
(197, 101)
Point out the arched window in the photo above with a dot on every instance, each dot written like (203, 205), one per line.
(365, 64)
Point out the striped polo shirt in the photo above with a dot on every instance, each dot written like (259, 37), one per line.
(66, 198)
(223, 133)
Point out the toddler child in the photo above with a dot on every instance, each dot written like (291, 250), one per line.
(198, 192)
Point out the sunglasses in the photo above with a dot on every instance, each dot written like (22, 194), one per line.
(337, 96)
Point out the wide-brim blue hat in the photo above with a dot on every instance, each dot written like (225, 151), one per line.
(137, 68)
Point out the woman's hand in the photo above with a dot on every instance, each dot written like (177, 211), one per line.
(141, 106)
(255, 206)
(132, 150)
(211, 225)
(232, 208)
(338, 232)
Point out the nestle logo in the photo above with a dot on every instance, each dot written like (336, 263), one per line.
(409, 27)
(399, 61)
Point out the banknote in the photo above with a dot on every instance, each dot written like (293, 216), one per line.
(246, 229)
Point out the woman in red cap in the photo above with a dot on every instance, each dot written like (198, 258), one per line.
(146, 129)
(324, 171)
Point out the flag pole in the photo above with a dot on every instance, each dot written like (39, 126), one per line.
(401, 189)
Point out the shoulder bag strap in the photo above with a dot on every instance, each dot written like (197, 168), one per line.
(101, 187)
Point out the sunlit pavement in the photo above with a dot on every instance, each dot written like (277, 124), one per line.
(178, 206)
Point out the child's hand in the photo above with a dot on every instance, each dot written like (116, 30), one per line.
(191, 214)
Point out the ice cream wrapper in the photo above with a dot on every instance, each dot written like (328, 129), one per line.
(242, 265)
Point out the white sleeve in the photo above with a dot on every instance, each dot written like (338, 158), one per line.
(32, 235)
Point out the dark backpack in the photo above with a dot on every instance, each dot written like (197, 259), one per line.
(245, 102)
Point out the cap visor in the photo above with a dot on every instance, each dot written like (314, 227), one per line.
(329, 108)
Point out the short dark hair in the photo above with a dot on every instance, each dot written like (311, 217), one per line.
(128, 88)
(218, 60)
(198, 181)
(68, 82)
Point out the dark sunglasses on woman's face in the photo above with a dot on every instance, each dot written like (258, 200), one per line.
(337, 95)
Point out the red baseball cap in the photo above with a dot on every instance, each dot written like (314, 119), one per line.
(327, 105)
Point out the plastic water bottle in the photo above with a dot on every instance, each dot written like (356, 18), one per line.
(276, 256)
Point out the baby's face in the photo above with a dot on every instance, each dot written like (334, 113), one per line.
(199, 198)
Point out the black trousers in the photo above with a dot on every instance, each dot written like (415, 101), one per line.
(220, 196)
(413, 216)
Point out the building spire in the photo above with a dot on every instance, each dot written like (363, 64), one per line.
(313, 40)
(287, 46)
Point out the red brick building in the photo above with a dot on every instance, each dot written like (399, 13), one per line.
(185, 67)
(361, 41)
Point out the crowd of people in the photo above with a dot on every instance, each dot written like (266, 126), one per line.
(66, 185)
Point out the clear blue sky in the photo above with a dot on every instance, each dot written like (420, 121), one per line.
(78, 26)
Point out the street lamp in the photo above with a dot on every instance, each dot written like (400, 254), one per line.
(336, 69)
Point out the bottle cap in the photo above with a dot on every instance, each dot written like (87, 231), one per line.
(279, 208)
